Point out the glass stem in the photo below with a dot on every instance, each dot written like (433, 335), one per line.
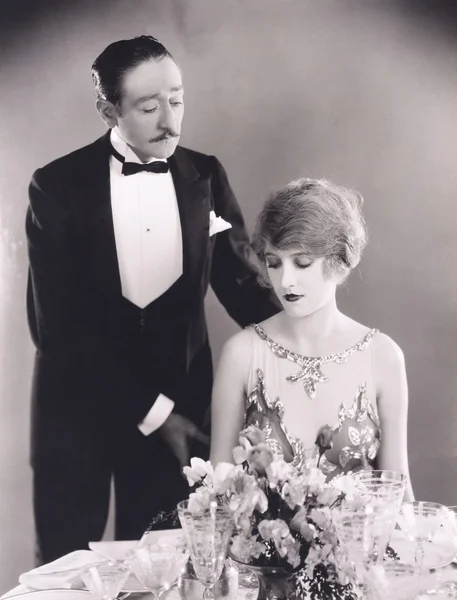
(419, 554)
(208, 594)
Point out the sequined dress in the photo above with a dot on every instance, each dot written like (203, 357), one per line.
(285, 386)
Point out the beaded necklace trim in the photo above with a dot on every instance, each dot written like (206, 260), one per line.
(310, 373)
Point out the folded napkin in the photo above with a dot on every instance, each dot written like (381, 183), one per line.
(118, 550)
(113, 550)
(61, 573)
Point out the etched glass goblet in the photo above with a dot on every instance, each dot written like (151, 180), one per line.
(383, 491)
(105, 580)
(361, 533)
(156, 567)
(207, 534)
(420, 521)
(398, 580)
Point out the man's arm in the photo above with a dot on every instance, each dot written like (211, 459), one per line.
(233, 277)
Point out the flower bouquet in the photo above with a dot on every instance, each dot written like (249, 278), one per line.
(282, 517)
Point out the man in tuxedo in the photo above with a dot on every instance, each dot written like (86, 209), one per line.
(121, 254)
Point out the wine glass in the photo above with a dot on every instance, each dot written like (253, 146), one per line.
(156, 567)
(360, 531)
(105, 580)
(420, 521)
(449, 588)
(382, 485)
(384, 491)
(207, 534)
(451, 524)
(398, 580)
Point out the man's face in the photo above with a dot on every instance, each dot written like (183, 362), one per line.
(151, 110)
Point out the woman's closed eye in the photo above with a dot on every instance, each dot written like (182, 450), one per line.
(272, 265)
(298, 264)
(303, 265)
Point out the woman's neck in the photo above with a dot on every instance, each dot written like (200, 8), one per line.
(315, 332)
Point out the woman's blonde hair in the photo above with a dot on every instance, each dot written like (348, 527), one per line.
(317, 216)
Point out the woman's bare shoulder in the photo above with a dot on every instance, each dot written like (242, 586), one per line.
(239, 347)
(388, 352)
(273, 326)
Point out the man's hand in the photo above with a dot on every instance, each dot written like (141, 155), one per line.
(178, 432)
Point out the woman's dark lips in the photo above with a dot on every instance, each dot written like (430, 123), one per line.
(292, 297)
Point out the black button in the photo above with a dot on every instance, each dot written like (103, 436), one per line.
(142, 322)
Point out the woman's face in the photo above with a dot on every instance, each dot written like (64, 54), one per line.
(300, 281)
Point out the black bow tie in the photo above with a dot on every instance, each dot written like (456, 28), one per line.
(158, 166)
(130, 168)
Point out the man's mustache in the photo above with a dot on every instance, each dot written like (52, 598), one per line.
(166, 135)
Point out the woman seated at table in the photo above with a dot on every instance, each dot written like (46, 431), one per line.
(311, 369)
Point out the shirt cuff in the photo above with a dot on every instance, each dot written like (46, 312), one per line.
(158, 414)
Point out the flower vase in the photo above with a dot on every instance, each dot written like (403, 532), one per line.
(275, 583)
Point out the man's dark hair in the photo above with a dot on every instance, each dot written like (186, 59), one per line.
(118, 58)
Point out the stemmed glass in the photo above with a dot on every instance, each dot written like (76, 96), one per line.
(420, 521)
(398, 580)
(451, 524)
(383, 485)
(384, 491)
(105, 580)
(207, 534)
(360, 532)
(448, 589)
(156, 567)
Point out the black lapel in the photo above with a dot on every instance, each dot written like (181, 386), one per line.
(193, 195)
(96, 218)
(93, 205)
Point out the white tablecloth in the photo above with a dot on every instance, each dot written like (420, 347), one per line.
(103, 550)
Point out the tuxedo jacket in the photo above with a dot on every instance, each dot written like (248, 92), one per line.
(79, 321)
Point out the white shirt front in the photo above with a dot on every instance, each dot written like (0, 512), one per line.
(147, 229)
(148, 235)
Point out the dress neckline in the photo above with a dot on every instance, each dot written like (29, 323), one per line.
(358, 346)
(310, 373)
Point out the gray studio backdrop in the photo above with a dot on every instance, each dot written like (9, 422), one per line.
(361, 92)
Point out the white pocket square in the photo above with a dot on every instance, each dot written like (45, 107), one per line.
(217, 224)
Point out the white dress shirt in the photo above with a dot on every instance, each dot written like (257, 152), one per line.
(148, 236)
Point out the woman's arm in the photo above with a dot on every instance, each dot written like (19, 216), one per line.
(392, 398)
(229, 393)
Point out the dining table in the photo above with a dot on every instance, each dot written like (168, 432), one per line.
(43, 583)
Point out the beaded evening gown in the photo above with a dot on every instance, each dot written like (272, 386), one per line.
(284, 386)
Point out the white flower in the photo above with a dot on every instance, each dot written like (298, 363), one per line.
(200, 500)
(240, 455)
(278, 471)
(293, 493)
(347, 485)
(321, 516)
(246, 547)
(274, 529)
(315, 479)
(300, 523)
(217, 224)
(262, 502)
(222, 476)
(328, 495)
(198, 470)
(253, 434)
